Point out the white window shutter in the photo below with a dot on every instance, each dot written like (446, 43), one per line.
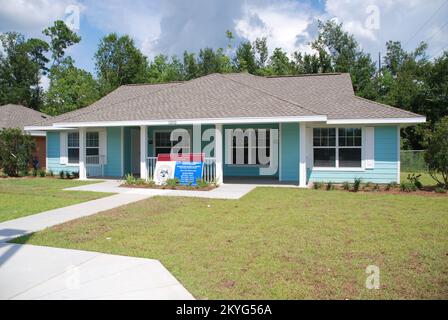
(309, 148)
(370, 148)
(103, 144)
(63, 145)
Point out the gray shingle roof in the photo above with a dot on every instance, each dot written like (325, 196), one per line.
(17, 116)
(219, 96)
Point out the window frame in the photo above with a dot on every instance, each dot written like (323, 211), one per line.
(337, 147)
(69, 147)
(98, 147)
(267, 147)
(154, 145)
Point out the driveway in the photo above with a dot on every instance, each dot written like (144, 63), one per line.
(33, 272)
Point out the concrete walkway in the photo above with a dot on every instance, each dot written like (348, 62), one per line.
(225, 191)
(34, 272)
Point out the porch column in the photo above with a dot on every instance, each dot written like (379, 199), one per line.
(143, 152)
(82, 154)
(302, 165)
(218, 154)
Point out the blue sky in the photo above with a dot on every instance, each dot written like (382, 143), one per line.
(170, 26)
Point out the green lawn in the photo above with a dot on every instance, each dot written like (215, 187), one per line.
(23, 197)
(279, 243)
(426, 179)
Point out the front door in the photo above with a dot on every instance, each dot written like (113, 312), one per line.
(135, 151)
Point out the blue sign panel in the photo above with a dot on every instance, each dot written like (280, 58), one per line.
(188, 172)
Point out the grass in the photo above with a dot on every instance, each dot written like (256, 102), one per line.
(426, 179)
(279, 243)
(23, 197)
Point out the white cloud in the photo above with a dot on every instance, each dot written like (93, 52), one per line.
(31, 17)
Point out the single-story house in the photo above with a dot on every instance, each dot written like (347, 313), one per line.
(317, 127)
(18, 116)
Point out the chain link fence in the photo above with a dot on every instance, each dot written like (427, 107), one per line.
(413, 161)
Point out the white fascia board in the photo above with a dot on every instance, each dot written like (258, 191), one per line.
(191, 121)
(379, 121)
(37, 133)
(36, 128)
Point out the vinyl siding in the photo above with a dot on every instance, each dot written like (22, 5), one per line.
(386, 162)
(53, 155)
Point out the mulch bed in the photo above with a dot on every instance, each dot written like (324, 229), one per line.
(184, 188)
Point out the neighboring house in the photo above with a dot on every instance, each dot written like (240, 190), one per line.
(325, 132)
(18, 116)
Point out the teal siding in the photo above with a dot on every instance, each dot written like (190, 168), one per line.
(53, 154)
(243, 171)
(290, 152)
(386, 162)
(113, 167)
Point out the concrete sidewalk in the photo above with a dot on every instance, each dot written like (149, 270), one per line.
(33, 272)
(36, 222)
(225, 191)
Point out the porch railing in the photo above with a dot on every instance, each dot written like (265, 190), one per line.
(95, 166)
(208, 173)
(151, 167)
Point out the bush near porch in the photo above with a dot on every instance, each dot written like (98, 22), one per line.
(279, 243)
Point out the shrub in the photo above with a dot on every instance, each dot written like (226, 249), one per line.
(16, 151)
(407, 187)
(329, 186)
(51, 173)
(68, 175)
(42, 173)
(140, 182)
(357, 184)
(388, 187)
(440, 190)
(201, 183)
(129, 179)
(436, 155)
(317, 185)
(34, 172)
(172, 182)
(61, 174)
(75, 174)
(346, 185)
(415, 180)
(376, 187)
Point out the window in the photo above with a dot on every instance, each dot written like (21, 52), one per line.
(163, 143)
(261, 145)
(337, 148)
(92, 144)
(73, 147)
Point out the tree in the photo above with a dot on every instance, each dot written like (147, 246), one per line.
(16, 151)
(119, 62)
(436, 155)
(163, 70)
(191, 68)
(213, 62)
(70, 89)
(245, 58)
(346, 55)
(261, 52)
(21, 67)
(279, 63)
(61, 37)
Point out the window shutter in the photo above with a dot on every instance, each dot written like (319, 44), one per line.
(63, 152)
(370, 148)
(103, 144)
(309, 148)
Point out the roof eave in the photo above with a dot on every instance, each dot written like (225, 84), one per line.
(401, 121)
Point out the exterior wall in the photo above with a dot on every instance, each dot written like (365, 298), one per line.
(289, 152)
(241, 170)
(53, 155)
(386, 162)
(40, 153)
(113, 166)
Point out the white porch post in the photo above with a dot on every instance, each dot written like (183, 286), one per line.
(143, 152)
(302, 165)
(218, 154)
(82, 154)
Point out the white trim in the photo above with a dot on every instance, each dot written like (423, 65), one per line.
(122, 151)
(47, 128)
(189, 121)
(219, 154)
(82, 154)
(37, 133)
(280, 148)
(398, 154)
(378, 121)
(345, 169)
(302, 165)
(369, 149)
(143, 152)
